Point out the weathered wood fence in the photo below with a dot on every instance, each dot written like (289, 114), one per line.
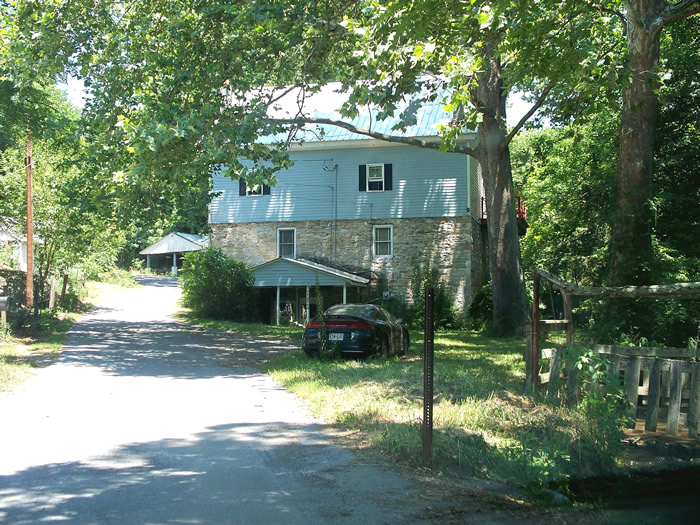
(658, 382)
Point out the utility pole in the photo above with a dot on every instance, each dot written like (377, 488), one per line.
(30, 225)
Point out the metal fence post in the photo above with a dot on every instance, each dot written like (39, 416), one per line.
(429, 340)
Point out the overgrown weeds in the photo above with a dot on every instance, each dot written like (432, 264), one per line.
(485, 426)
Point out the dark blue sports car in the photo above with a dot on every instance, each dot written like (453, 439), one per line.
(358, 330)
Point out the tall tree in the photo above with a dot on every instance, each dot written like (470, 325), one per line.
(182, 87)
(631, 245)
(478, 52)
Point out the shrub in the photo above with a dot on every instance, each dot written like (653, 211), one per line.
(446, 316)
(217, 286)
(481, 308)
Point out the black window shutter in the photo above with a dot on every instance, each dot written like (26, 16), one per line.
(266, 189)
(387, 177)
(241, 188)
(363, 177)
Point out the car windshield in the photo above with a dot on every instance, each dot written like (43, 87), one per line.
(354, 310)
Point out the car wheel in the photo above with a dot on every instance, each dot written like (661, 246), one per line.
(404, 344)
(312, 354)
(384, 348)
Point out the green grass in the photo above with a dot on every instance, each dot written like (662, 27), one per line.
(485, 425)
(19, 354)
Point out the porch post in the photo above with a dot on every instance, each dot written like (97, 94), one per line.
(345, 293)
(277, 307)
(148, 261)
(174, 264)
(308, 305)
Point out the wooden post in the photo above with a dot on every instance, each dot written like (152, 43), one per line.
(554, 375)
(532, 351)
(529, 332)
(52, 292)
(654, 397)
(535, 359)
(308, 306)
(632, 388)
(175, 265)
(64, 288)
(277, 308)
(568, 315)
(674, 402)
(694, 402)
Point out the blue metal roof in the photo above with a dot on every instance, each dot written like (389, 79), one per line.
(429, 116)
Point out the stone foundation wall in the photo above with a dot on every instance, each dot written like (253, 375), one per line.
(445, 242)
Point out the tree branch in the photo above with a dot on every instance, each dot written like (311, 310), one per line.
(526, 117)
(410, 141)
(679, 11)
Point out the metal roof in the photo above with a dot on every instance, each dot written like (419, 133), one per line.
(307, 276)
(176, 243)
(429, 115)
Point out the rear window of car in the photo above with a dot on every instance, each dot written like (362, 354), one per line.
(354, 310)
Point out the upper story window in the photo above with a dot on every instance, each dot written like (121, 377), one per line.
(383, 241)
(375, 177)
(287, 243)
(253, 190)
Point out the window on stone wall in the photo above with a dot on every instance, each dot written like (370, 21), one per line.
(383, 241)
(286, 243)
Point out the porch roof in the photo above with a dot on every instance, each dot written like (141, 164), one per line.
(300, 272)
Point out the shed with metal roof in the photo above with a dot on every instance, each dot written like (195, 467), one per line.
(288, 277)
(173, 244)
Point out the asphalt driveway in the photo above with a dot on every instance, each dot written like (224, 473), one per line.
(142, 420)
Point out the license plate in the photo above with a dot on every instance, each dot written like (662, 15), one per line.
(335, 337)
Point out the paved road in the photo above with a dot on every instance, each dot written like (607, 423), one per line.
(142, 420)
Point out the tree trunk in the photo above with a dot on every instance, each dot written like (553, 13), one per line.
(509, 298)
(630, 244)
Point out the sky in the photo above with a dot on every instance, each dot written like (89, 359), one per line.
(75, 89)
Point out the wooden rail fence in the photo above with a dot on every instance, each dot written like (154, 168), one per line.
(659, 384)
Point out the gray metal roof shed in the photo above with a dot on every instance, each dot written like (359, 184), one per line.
(175, 243)
(287, 273)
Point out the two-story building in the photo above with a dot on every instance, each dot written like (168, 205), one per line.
(357, 216)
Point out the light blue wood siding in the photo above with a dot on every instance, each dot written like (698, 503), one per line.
(426, 183)
(284, 273)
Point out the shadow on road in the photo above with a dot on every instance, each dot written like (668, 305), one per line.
(241, 473)
(164, 349)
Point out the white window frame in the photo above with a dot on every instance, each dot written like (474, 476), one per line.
(294, 230)
(369, 169)
(391, 240)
